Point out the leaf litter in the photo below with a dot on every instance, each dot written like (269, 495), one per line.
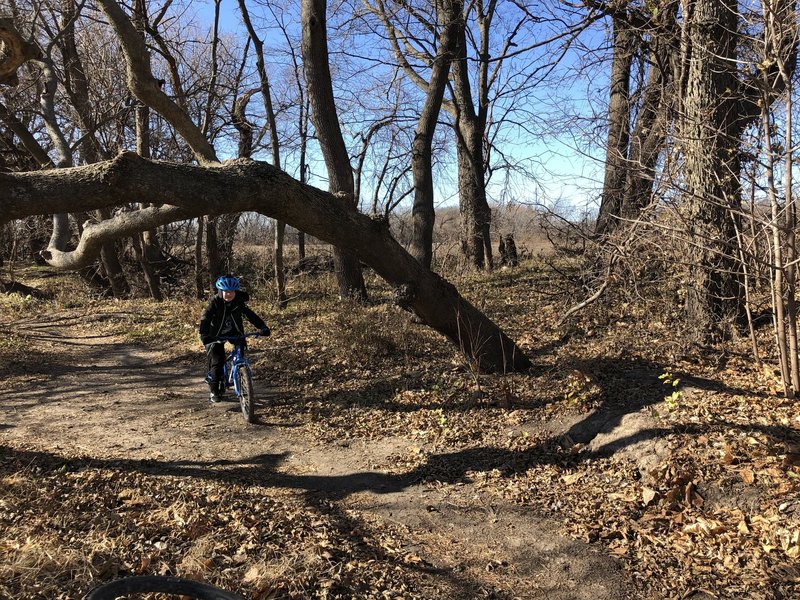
(718, 513)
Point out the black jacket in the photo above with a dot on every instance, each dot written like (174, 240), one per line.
(222, 318)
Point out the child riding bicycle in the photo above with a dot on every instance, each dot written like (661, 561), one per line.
(223, 317)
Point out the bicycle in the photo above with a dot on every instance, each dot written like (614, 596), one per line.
(238, 375)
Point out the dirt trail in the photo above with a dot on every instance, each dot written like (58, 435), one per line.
(101, 397)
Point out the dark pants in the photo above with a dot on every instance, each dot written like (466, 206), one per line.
(216, 359)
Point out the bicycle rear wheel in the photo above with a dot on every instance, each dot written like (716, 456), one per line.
(246, 396)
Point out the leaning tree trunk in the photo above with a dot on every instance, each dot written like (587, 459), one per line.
(194, 190)
(253, 186)
(326, 123)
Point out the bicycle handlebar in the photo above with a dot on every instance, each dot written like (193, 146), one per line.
(235, 338)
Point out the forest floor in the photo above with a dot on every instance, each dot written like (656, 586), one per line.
(626, 464)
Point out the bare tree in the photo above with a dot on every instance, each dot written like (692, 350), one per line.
(449, 15)
(779, 31)
(480, 55)
(280, 226)
(183, 191)
(326, 124)
(637, 129)
(719, 101)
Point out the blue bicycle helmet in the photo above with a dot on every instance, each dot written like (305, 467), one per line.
(228, 283)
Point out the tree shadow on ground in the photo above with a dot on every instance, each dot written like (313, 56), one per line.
(626, 386)
(345, 522)
(629, 387)
(459, 466)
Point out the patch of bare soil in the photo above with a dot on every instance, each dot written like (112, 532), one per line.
(113, 463)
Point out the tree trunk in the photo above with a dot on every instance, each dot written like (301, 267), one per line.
(215, 266)
(711, 127)
(149, 251)
(326, 123)
(77, 87)
(280, 272)
(201, 285)
(111, 265)
(632, 155)
(280, 227)
(476, 216)
(619, 115)
(423, 214)
(226, 226)
(252, 186)
(145, 244)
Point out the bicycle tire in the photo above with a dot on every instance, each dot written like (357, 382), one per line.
(246, 395)
(155, 584)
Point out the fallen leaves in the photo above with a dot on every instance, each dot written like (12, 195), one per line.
(720, 513)
(257, 539)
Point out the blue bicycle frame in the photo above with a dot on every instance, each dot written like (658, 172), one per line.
(235, 361)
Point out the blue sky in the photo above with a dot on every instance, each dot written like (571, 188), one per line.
(566, 174)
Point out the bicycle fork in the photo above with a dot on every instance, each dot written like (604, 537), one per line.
(232, 378)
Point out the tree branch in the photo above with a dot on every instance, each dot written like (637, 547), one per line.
(145, 87)
(14, 52)
(95, 235)
(241, 185)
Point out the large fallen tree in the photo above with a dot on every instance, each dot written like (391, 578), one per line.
(246, 185)
(176, 192)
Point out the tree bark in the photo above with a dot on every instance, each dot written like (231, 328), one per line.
(324, 116)
(16, 52)
(711, 128)
(266, 94)
(76, 84)
(718, 103)
(619, 115)
(476, 216)
(632, 156)
(145, 87)
(243, 185)
(423, 215)
(201, 288)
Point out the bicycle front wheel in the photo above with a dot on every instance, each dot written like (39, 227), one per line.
(167, 585)
(246, 397)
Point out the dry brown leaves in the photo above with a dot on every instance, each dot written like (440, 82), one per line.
(720, 513)
(69, 522)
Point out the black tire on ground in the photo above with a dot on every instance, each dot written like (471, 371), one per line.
(165, 585)
(247, 399)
